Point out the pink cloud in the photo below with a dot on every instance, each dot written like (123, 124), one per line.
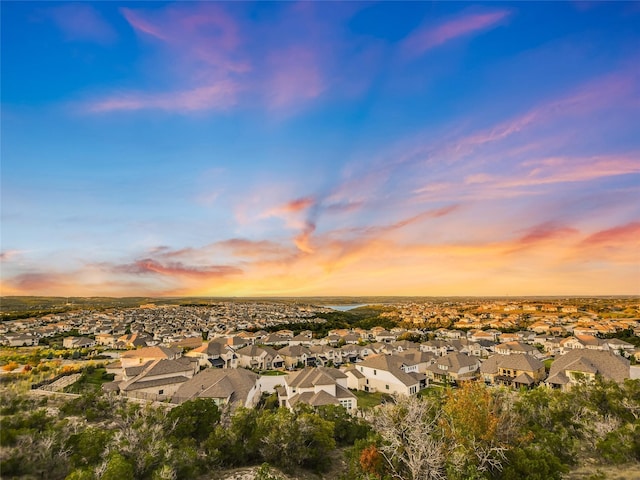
(219, 96)
(543, 232)
(282, 66)
(619, 89)
(429, 37)
(82, 22)
(178, 269)
(295, 206)
(295, 75)
(628, 233)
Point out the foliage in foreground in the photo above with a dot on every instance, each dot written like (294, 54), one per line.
(473, 432)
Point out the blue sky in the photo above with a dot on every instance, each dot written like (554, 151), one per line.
(320, 148)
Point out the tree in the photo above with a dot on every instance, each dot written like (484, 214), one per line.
(476, 424)
(117, 467)
(194, 419)
(289, 439)
(347, 428)
(412, 443)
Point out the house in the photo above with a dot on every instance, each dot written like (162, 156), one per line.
(450, 334)
(106, 339)
(511, 348)
(214, 354)
(421, 360)
(295, 356)
(390, 374)
(583, 342)
(316, 387)
(143, 355)
(384, 336)
(321, 355)
(453, 367)
(20, 340)
(620, 346)
(261, 358)
(305, 338)
(438, 347)
(135, 340)
(156, 379)
(403, 345)
(582, 365)
(355, 379)
(78, 342)
(233, 387)
(277, 339)
(477, 335)
(518, 370)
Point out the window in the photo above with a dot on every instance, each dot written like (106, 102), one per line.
(160, 392)
(387, 387)
(375, 372)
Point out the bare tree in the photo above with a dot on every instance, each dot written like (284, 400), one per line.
(412, 445)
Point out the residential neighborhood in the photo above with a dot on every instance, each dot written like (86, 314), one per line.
(238, 352)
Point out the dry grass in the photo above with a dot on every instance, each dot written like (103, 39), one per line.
(629, 471)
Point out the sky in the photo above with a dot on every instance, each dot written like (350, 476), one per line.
(308, 148)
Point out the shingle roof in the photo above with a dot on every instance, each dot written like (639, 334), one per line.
(151, 352)
(607, 364)
(457, 360)
(216, 383)
(294, 351)
(138, 385)
(392, 365)
(311, 376)
(524, 379)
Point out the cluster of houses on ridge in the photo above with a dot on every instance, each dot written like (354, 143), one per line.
(164, 323)
(327, 370)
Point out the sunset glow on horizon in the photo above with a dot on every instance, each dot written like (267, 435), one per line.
(309, 149)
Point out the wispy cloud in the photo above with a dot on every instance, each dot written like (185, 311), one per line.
(177, 269)
(9, 255)
(627, 233)
(210, 53)
(82, 22)
(219, 96)
(464, 25)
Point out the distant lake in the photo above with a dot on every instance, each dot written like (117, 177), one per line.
(344, 308)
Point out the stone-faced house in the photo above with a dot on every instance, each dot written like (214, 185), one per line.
(453, 367)
(517, 370)
(261, 358)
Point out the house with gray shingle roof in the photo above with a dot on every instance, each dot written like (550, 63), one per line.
(295, 355)
(143, 355)
(234, 387)
(214, 354)
(316, 387)
(421, 360)
(453, 367)
(583, 365)
(391, 374)
(517, 370)
(156, 379)
(261, 358)
(516, 347)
